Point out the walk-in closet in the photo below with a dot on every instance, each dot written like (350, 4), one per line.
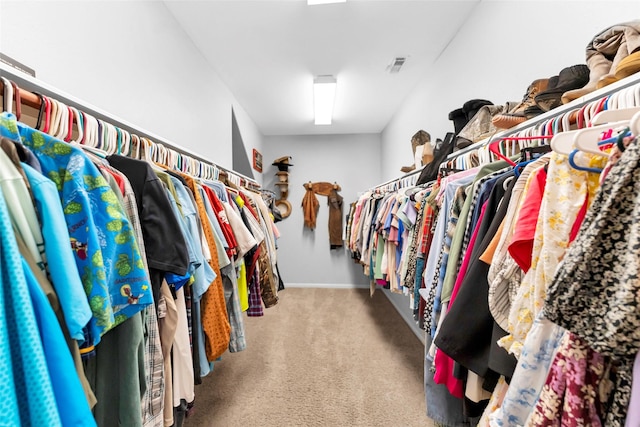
(320, 213)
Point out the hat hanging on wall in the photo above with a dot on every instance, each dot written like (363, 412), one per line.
(282, 176)
(283, 163)
(284, 207)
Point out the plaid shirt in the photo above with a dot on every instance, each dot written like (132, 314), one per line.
(152, 403)
(255, 300)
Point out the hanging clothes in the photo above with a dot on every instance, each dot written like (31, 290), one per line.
(163, 263)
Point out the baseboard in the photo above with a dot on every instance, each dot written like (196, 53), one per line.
(326, 285)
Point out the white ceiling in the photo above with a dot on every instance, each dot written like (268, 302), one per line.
(268, 52)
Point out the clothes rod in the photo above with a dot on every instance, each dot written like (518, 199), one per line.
(28, 85)
(575, 104)
(407, 175)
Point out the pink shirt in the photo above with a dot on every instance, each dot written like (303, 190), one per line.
(443, 363)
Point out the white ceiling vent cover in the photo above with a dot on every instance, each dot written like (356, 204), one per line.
(396, 64)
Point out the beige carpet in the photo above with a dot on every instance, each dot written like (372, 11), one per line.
(321, 357)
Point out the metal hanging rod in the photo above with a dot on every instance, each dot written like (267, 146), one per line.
(28, 85)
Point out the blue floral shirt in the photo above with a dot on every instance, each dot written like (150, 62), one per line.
(105, 250)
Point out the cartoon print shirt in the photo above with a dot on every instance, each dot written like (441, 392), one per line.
(105, 250)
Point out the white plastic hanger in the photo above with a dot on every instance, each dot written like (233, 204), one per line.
(126, 142)
(78, 120)
(608, 116)
(587, 139)
(63, 129)
(562, 142)
(135, 146)
(634, 124)
(55, 117)
(7, 96)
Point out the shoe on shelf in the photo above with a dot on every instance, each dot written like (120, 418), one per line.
(518, 115)
(535, 109)
(459, 119)
(628, 66)
(598, 67)
(472, 107)
(569, 79)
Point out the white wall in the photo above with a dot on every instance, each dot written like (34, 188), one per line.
(353, 161)
(500, 50)
(133, 60)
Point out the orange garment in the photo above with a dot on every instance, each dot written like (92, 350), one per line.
(487, 255)
(310, 206)
(215, 320)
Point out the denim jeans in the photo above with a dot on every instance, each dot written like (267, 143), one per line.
(442, 407)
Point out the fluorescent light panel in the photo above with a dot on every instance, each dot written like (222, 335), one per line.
(324, 93)
(315, 2)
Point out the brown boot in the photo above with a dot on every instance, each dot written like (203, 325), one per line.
(517, 115)
(599, 66)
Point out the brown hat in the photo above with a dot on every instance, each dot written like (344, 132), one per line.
(282, 163)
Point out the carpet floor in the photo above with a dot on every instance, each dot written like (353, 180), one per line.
(321, 357)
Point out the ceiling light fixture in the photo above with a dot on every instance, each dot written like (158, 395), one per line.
(315, 2)
(324, 93)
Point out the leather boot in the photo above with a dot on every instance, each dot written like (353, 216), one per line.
(628, 66)
(569, 78)
(599, 66)
(418, 141)
(517, 115)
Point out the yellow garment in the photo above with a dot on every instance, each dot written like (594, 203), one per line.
(243, 290)
(565, 194)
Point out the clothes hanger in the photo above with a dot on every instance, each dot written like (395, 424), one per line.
(185, 163)
(91, 142)
(16, 96)
(573, 164)
(118, 141)
(618, 115)
(70, 118)
(112, 132)
(7, 96)
(135, 146)
(587, 139)
(630, 97)
(562, 142)
(53, 123)
(494, 146)
(145, 149)
(47, 116)
(40, 110)
(126, 143)
(75, 114)
(91, 131)
(64, 128)
(634, 124)
(62, 122)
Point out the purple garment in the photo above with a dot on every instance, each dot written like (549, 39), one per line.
(633, 413)
(255, 300)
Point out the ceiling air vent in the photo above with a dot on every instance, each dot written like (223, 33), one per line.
(396, 64)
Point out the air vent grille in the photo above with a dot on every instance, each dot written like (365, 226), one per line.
(396, 64)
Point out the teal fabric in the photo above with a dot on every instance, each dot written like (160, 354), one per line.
(26, 393)
(66, 281)
(106, 254)
(69, 396)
